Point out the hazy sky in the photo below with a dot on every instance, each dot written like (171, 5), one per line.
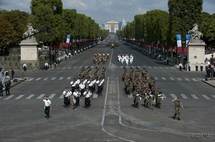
(103, 10)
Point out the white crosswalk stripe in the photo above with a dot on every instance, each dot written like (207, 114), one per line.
(183, 96)
(187, 79)
(61, 78)
(61, 97)
(171, 78)
(41, 96)
(52, 96)
(179, 79)
(213, 96)
(30, 79)
(194, 79)
(19, 97)
(68, 78)
(53, 78)
(39, 78)
(156, 78)
(194, 96)
(206, 97)
(163, 78)
(173, 96)
(29, 97)
(45, 78)
(9, 97)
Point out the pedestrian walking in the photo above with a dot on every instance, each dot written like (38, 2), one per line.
(1, 88)
(7, 84)
(24, 66)
(12, 74)
(47, 106)
(178, 106)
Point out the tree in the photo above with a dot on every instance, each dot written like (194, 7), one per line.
(182, 15)
(207, 27)
(48, 21)
(12, 26)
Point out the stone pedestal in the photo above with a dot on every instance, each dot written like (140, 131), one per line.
(196, 55)
(29, 51)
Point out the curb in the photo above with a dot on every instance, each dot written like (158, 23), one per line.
(208, 83)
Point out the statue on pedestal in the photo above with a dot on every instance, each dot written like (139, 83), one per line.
(195, 33)
(30, 32)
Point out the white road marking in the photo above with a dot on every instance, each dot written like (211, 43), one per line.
(187, 79)
(19, 97)
(105, 104)
(179, 79)
(206, 97)
(194, 79)
(69, 68)
(150, 67)
(39, 78)
(163, 78)
(171, 78)
(30, 79)
(194, 96)
(53, 78)
(61, 78)
(156, 78)
(45, 78)
(9, 97)
(29, 97)
(62, 96)
(213, 96)
(41, 96)
(52, 96)
(68, 78)
(183, 96)
(173, 96)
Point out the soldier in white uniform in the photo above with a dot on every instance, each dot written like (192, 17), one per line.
(67, 94)
(131, 59)
(100, 86)
(82, 88)
(76, 95)
(47, 106)
(88, 94)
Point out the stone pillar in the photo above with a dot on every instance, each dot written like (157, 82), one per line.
(196, 55)
(29, 51)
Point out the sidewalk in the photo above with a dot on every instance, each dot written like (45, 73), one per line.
(210, 82)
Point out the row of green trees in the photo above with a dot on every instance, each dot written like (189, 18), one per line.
(12, 26)
(160, 27)
(54, 23)
(51, 21)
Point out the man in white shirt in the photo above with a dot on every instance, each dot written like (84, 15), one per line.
(47, 106)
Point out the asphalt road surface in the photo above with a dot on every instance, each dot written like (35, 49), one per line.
(111, 118)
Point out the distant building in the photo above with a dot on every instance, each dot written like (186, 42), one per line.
(112, 26)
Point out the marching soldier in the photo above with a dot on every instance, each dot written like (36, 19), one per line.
(136, 100)
(178, 106)
(88, 94)
(47, 106)
(67, 94)
(76, 95)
